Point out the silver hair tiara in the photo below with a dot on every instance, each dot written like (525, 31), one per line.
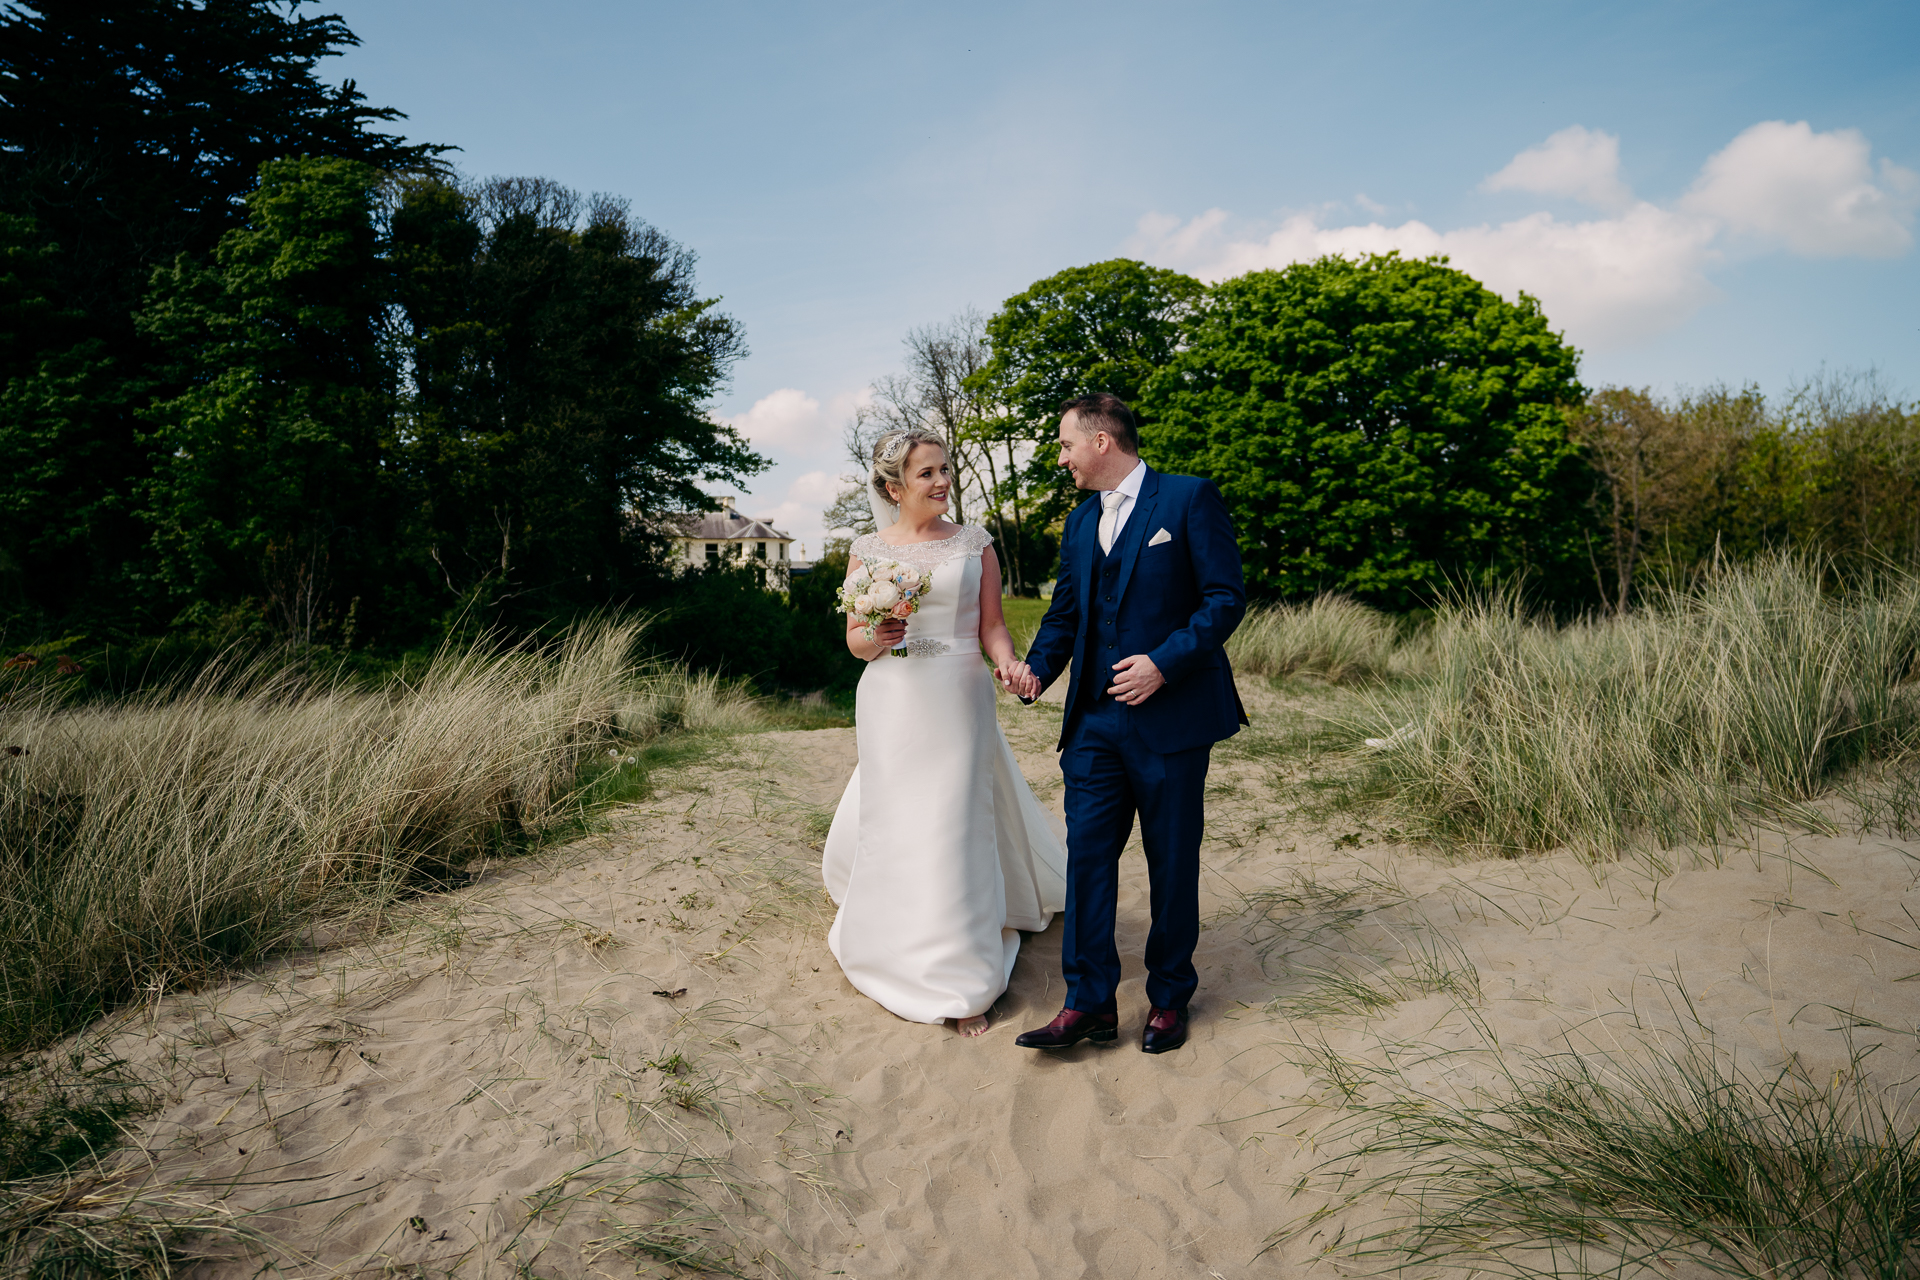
(894, 447)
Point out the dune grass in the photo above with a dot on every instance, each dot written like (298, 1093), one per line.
(1332, 637)
(1640, 1156)
(62, 1211)
(1742, 699)
(664, 700)
(150, 842)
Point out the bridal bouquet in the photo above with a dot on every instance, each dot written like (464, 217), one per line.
(884, 589)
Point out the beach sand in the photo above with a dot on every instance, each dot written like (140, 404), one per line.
(638, 1049)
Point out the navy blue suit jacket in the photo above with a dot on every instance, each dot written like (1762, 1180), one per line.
(1178, 601)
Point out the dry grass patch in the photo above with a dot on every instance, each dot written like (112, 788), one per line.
(1333, 637)
(1741, 701)
(149, 842)
(1632, 1160)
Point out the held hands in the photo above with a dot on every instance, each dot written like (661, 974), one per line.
(1019, 680)
(1137, 680)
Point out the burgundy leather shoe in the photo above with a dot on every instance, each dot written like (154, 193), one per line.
(1166, 1029)
(1070, 1028)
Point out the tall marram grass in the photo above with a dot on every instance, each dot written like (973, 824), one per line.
(1745, 696)
(1333, 637)
(671, 699)
(1625, 1163)
(148, 842)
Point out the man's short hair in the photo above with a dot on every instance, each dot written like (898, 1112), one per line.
(1108, 413)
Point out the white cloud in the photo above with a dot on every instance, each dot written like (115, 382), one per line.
(1605, 281)
(1613, 280)
(1813, 191)
(817, 488)
(1580, 163)
(787, 418)
(799, 425)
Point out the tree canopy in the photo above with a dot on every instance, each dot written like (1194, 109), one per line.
(470, 409)
(260, 359)
(1105, 327)
(560, 361)
(1382, 427)
(268, 478)
(131, 131)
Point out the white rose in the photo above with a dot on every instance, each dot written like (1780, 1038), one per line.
(863, 604)
(884, 594)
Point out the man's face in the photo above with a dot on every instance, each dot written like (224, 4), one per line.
(1080, 453)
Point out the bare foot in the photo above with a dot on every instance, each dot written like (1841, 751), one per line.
(974, 1026)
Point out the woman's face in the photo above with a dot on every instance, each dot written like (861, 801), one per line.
(927, 480)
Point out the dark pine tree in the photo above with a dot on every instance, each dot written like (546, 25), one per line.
(131, 131)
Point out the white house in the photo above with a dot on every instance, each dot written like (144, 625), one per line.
(712, 537)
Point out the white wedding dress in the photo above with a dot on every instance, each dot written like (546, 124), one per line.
(939, 852)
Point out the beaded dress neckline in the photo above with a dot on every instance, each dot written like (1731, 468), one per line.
(970, 540)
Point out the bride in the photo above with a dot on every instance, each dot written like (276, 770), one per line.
(939, 854)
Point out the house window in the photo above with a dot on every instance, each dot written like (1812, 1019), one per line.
(783, 551)
(760, 550)
(713, 553)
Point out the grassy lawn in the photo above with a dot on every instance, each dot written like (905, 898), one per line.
(1023, 618)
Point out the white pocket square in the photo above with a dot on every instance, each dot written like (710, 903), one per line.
(1160, 537)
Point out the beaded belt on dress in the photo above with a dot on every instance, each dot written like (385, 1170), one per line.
(922, 649)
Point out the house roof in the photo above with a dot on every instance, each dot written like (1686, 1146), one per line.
(716, 526)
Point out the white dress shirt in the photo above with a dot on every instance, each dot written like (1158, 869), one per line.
(1129, 489)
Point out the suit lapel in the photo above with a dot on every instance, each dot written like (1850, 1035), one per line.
(1134, 536)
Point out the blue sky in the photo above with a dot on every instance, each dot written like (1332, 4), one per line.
(1699, 193)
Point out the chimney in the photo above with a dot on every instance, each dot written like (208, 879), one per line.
(726, 504)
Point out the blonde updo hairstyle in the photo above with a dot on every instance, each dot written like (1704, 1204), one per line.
(890, 454)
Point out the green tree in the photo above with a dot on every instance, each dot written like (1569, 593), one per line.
(1105, 327)
(1860, 468)
(560, 360)
(55, 382)
(269, 480)
(818, 656)
(1675, 482)
(1381, 427)
(1833, 469)
(946, 388)
(132, 131)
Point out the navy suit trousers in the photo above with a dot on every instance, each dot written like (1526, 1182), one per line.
(1110, 777)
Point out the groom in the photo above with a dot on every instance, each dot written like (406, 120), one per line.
(1148, 591)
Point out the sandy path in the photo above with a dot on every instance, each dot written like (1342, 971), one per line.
(493, 1087)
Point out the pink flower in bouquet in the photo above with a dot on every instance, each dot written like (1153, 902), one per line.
(903, 610)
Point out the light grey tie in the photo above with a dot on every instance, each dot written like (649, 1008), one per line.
(1109, 518)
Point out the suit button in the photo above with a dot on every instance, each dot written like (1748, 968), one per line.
(1109, 622)
(1109, 599)
(1109, 645)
